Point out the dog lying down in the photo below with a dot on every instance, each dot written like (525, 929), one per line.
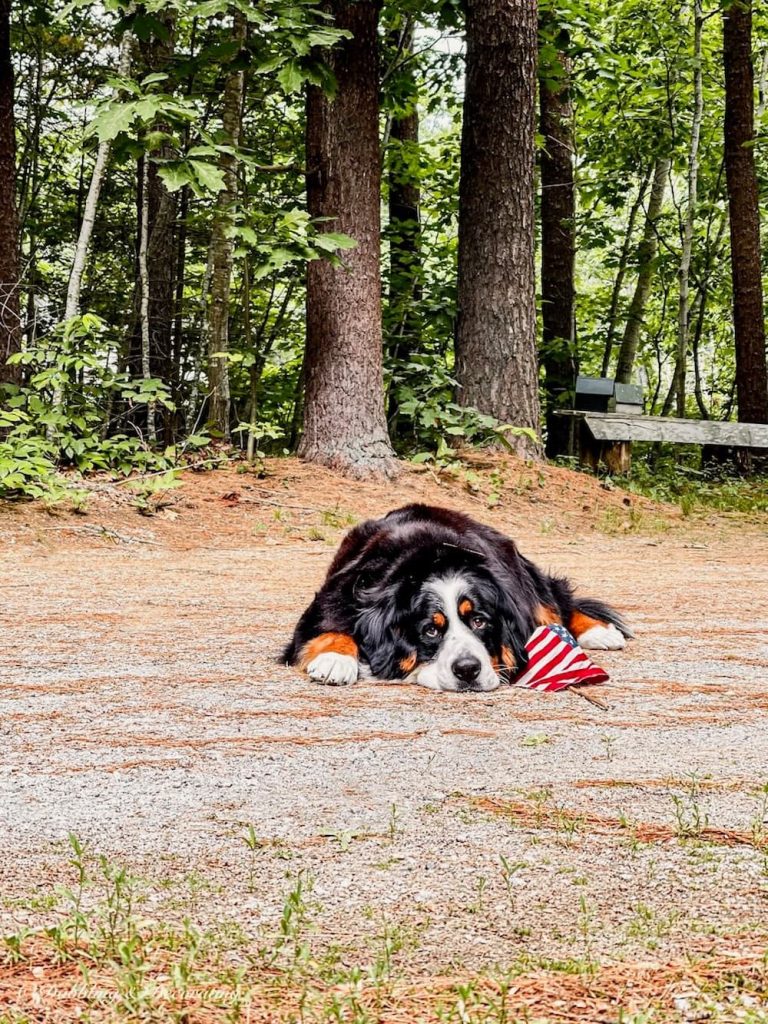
(430, 596)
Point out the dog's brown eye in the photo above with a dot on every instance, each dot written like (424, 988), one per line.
(430, 631)
(478, 622)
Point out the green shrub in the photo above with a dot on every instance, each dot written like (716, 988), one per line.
(63, 415)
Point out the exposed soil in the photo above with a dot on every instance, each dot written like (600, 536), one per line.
(142, 708)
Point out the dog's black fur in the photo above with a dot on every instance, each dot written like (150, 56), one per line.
(373, 591)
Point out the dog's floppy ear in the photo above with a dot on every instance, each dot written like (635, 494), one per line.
(514, 610)
(380, 635)
(515, 630)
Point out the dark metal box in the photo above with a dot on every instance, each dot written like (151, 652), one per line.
(593, 394)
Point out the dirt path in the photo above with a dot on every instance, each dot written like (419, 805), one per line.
(141, 708)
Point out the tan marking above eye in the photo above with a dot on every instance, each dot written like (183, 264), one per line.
(439, 619)
(465, 607)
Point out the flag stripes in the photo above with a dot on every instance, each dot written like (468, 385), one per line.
(555, 661)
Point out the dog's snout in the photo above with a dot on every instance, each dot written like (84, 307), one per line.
(466, 669)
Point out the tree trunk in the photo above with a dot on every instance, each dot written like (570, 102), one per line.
(72, 307)
(711, 253)
(683, 306)
(344, 422)
(10, 285)
(405, 270)
(156, 53)
(144, 323)
(558, 249)
(646, 254)
(748, 321)
(496, 359)
(222, 243)
(621, 271)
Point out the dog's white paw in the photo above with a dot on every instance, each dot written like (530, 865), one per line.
(333, 669)
(603, 638)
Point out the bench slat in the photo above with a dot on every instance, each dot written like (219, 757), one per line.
(613, 427)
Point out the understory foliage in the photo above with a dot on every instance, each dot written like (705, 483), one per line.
(85, 401)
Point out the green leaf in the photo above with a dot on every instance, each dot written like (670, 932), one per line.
(290, 77)
(208, 175)
(108, 123)
(330, 241)
(174, 176)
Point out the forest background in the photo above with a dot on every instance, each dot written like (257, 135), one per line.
(361, 230)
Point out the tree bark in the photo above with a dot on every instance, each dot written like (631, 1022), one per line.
(646, 254)
(496, 359)
(405, 270)
(621, 271)
(344, 422)
(72, 307)
(144, 323)
(558, 250)
(748, 316)
(10, 284)
(683, 305)
(156, 54)
(222, 243)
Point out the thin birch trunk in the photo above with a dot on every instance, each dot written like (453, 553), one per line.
(621, 271)
(254, 380)
(10, 271)
(683, 307)
(92, 201)
(762, 84)
(646, 254)
(196, 355)
(700, 305)
(144, 277)
(222, 245)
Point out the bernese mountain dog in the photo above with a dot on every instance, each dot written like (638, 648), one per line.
(430, 596)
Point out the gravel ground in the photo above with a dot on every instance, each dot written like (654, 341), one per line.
(141, 708)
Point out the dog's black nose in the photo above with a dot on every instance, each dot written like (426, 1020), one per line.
(466, 669)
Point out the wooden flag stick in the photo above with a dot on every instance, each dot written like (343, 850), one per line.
(582, 692)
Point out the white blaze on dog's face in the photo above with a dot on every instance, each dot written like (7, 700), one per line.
(460, 660)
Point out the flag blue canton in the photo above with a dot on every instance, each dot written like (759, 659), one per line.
(563, 633)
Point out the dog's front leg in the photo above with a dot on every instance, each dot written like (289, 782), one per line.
(331, 658)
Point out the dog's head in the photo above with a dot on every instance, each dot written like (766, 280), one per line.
(445, 617)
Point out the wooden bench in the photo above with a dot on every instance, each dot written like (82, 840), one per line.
(607, 437)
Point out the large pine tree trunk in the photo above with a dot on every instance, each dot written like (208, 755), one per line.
(405, 271)
(748, 322)
(496, 360)
(344, 422)
(10, 319)
(646, 254)
(558, 249)
(222, 244)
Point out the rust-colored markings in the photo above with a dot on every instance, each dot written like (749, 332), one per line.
(337, 643)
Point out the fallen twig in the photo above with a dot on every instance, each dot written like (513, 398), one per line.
(104, 531)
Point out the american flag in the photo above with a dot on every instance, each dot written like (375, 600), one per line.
(555, 661)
